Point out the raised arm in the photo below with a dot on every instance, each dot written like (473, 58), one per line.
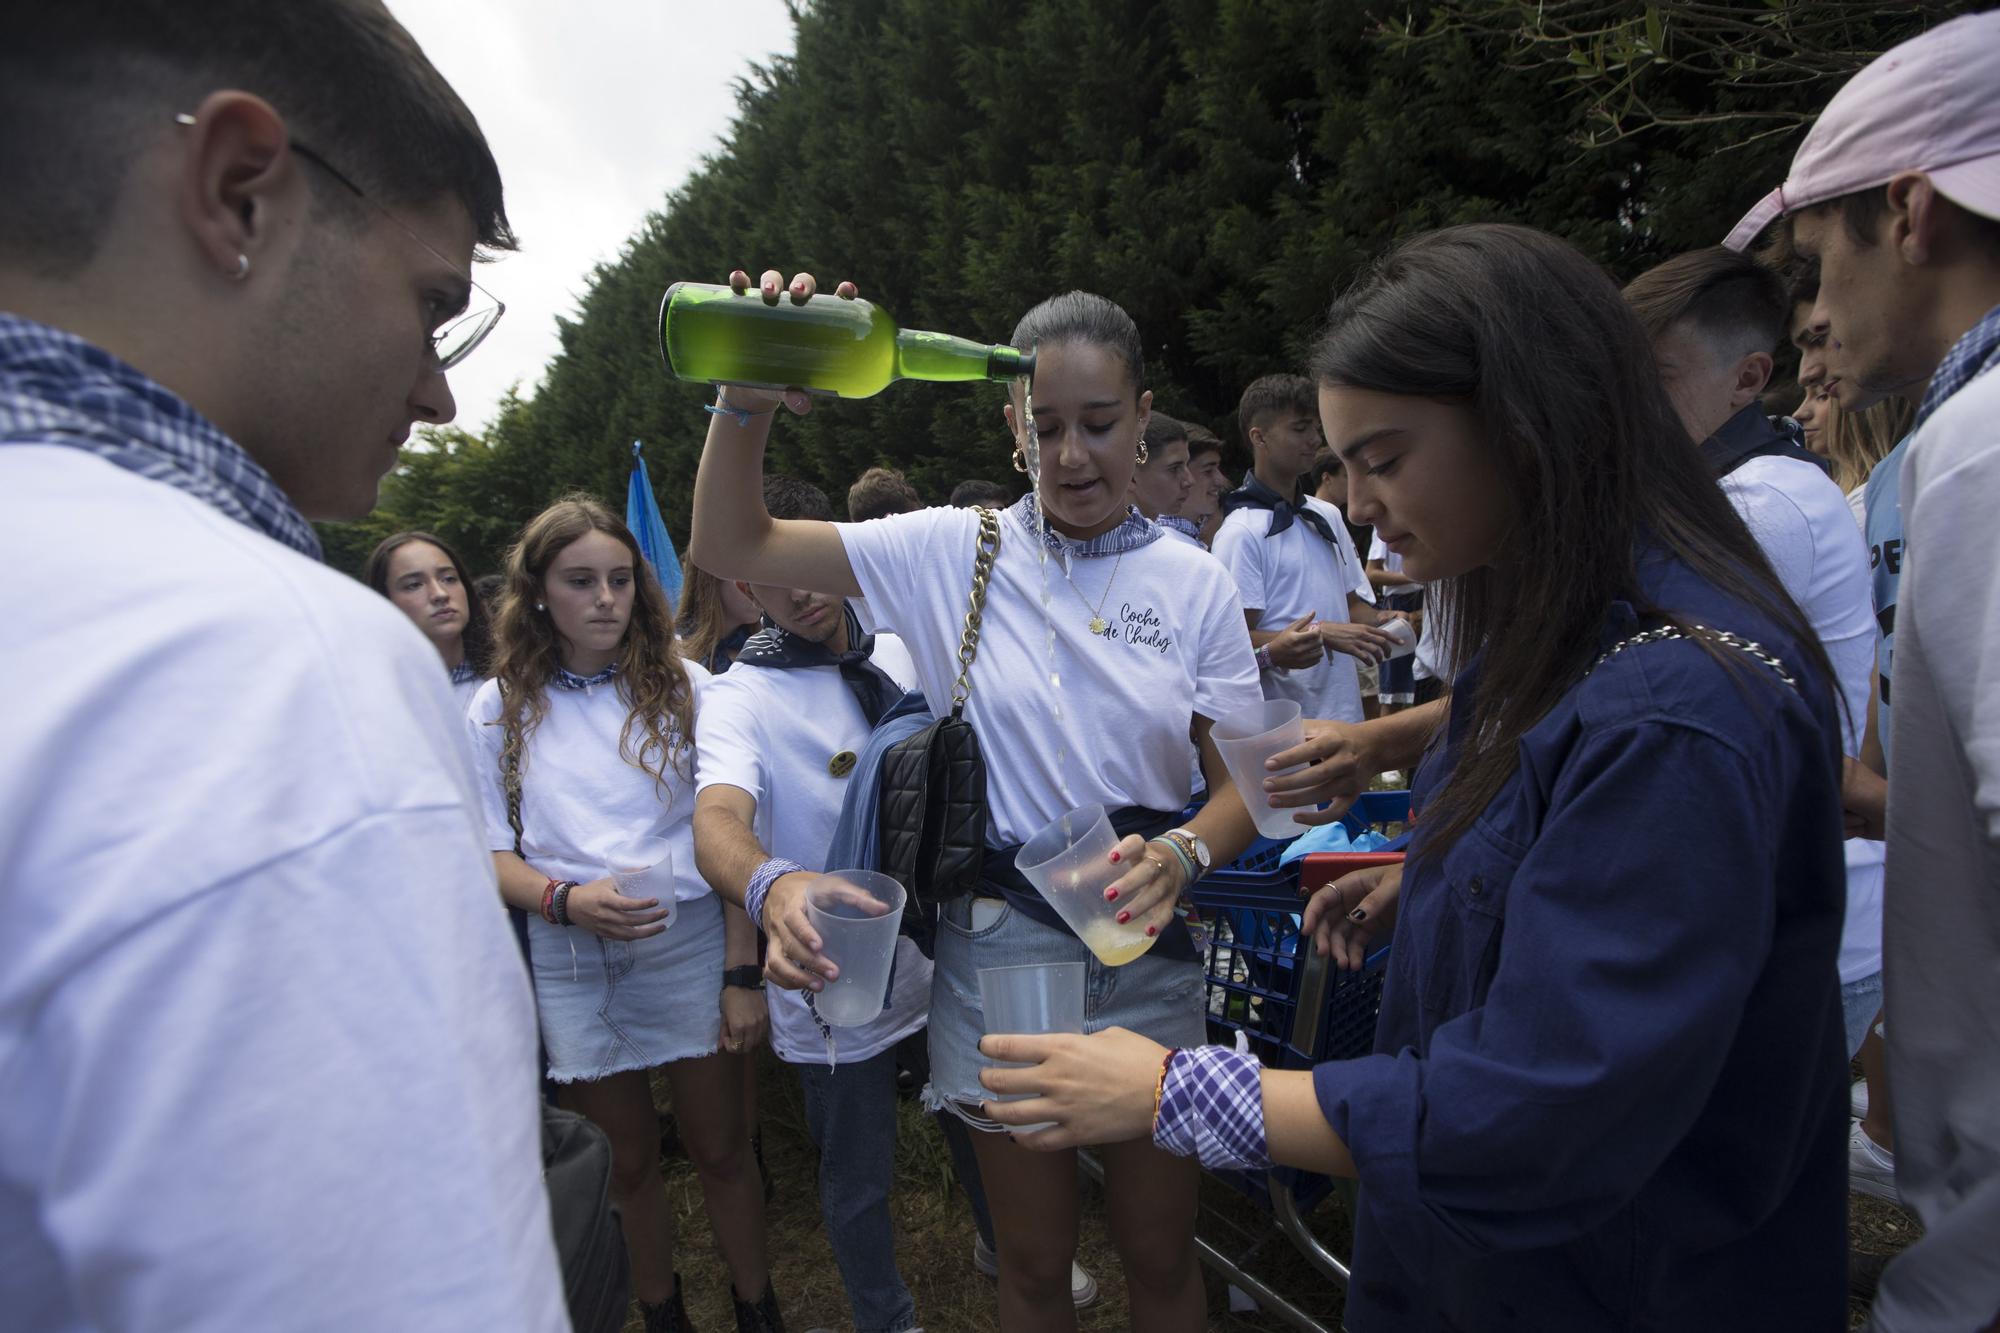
(733, 535)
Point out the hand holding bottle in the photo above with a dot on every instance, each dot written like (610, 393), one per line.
(773, 289)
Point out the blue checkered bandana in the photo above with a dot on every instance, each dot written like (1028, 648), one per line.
(55, 388)
(1137, 530)
(1970, 357)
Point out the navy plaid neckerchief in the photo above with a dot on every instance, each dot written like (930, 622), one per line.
(569, 680)
(1254, 494)
(1970, 357)
(464, 674)
(1137, 530)
(55, 388)
(870, 685)
(1186, 527)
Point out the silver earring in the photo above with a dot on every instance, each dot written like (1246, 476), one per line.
(540, 607)
(242, 266)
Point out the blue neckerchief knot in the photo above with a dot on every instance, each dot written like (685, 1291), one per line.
(1254, 494)
(569, 680)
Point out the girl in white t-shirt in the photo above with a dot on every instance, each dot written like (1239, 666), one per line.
(427, 581)
(1149, 645)
(590, 721)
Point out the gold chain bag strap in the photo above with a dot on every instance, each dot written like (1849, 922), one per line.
(931, 813)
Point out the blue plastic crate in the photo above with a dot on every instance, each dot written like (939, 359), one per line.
(1258, 869)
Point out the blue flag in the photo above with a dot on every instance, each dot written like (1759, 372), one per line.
(642, 515)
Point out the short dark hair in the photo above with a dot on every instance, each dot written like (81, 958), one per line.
(1861, 213)
(1734, 302)
(788, 497)
(1274, 393)
(881, 491)
(1162, 430)
(85, 85)
(1087, 318)
(984, 494)
(1202, 440)
(1325, 461)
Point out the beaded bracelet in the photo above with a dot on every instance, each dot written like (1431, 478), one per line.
(561, 902)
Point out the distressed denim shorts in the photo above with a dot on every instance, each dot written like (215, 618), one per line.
(607, 1006)
(1155, 997)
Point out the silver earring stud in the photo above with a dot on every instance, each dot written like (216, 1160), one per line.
(242, 266)
(540, 607)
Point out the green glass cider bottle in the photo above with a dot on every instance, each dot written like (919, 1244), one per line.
(851, 349)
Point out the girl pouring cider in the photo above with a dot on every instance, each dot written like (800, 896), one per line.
(1104, 655)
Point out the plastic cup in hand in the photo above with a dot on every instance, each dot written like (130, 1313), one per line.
(857, 914)
(1036, 998)
(644, 868)
(1070, 864)
(1405, 635)
(1245, 739)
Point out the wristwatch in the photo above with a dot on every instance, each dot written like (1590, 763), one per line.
(747, 977)
(1192, 847)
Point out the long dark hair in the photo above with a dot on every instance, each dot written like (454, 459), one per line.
(658, 696)
(478, 636)
(1534, 338)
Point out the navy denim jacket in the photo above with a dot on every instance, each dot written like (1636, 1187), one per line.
(1608, 1082)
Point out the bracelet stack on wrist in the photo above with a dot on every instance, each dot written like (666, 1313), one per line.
(555, 901)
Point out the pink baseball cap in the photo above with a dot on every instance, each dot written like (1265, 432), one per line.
(1930, 105)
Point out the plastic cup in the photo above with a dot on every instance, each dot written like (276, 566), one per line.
(1404, 634)
(1036, 998)
(644, 868)
(1245, 739)
(1069, 863)
(857, 914)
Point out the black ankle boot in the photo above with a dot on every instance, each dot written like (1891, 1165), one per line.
(763, 1317)
(669, 1316)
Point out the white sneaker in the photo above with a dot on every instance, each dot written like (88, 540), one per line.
(1871, 1168)
(1857, 1100)
(1082, 1286)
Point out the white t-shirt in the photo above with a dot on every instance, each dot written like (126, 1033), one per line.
(1287, 576)
(580, 798)
(464, 691)
(1942, 980)
(772, 732)
(268, 1045)
(1176, 646)
(1378, 550)
(1802, 522)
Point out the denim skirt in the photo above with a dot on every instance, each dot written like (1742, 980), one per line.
(1155, 997)
(607, 1006)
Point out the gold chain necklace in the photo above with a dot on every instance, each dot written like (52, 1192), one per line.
(1098, 624)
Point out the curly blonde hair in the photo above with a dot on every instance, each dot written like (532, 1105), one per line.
(651, 680)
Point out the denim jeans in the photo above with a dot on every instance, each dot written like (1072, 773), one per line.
(851, 1113)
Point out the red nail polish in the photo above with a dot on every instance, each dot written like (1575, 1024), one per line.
(1152, 930)
(1111, 895)
(1115, 858)
(1123, 917)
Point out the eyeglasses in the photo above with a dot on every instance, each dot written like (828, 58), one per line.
(454, 339)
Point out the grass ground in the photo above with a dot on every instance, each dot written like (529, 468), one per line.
(934, 1232)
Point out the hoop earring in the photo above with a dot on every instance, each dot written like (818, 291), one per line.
(1143, 452)
(1020, 460)
(242, 266)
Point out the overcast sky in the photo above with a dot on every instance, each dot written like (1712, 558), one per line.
(595, 109)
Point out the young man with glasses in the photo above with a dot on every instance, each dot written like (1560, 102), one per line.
(270, 1048)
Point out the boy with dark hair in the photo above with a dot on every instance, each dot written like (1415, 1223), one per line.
(272, 1054)
(879, 492)
(1161, 484)
(1205, 466)
(974, 493)
(1714, 316)
(1895, 194)
(1304, 591)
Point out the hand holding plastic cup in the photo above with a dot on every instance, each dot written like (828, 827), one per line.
(1245, 739)
(1405, 635)
(856, 914)
(1069, 863)
(1033, 999)
(644, 868)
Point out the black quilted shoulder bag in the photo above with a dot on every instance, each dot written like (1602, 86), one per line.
(932, 813)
